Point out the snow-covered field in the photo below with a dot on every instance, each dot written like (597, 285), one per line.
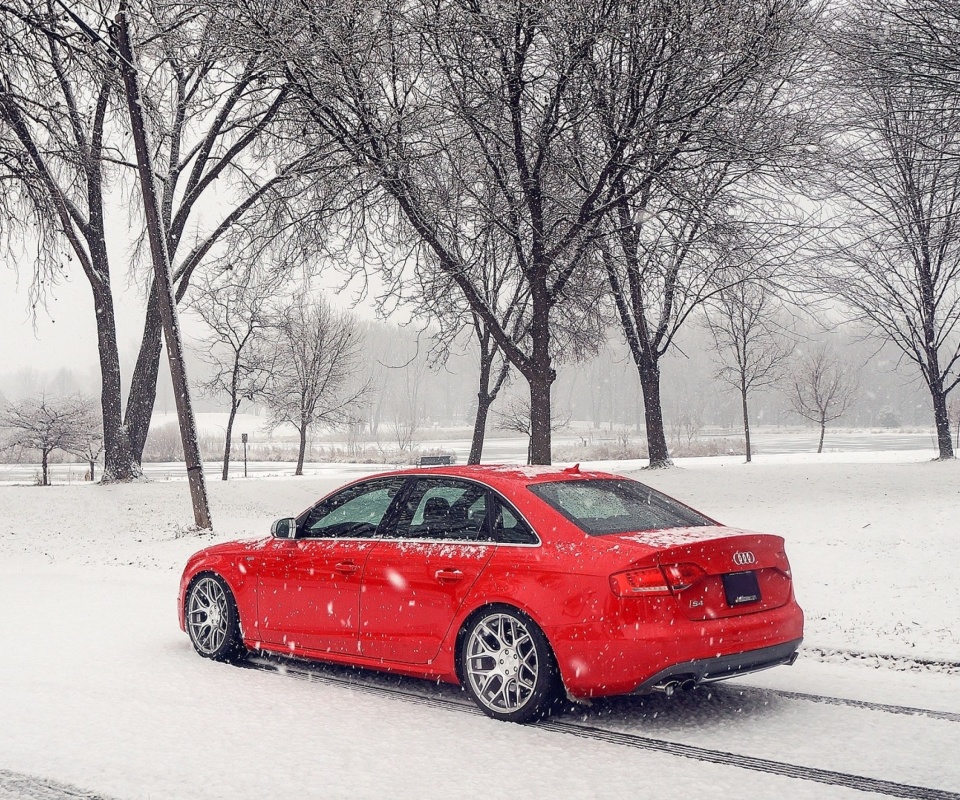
(100, 690)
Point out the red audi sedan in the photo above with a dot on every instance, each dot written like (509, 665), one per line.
(519, 583)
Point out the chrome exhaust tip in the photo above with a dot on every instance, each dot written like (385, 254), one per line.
(667, 688)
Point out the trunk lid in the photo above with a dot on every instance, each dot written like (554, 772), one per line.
(734, 571)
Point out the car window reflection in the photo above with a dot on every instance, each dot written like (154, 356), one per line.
(354, 513)
(444, 509)
(509, 528)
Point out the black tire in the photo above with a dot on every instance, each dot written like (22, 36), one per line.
(507, 666)
(212, 621)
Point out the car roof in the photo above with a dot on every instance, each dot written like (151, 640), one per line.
(510, 474)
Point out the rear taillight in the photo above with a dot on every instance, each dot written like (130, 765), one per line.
(783, 564)
(682, 576)
(655, 580)
(639, 581)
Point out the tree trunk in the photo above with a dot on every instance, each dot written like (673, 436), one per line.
(540, 376)
(161, 267)
(746, 420)
(485, 397)
(479, 427)
(657, 449)
(540, 444)
(823, 430)
(303, 450)
(44, 479)
(226, 445)
(118, 461)
(483, 403)
(143, 387)
(942, 419)
(93, 467)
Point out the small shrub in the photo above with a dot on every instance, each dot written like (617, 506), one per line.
(163, 443)
(600, 451)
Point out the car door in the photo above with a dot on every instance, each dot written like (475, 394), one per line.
(309, 586)
(417, 577)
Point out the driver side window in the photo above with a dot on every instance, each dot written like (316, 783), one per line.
(354, 513)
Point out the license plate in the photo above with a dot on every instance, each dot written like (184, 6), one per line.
(741, 588)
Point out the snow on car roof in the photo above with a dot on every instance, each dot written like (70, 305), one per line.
(518, 472)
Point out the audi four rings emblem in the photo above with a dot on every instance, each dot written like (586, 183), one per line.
(743, 557)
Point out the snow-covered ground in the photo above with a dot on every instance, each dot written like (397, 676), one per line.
(100, 690)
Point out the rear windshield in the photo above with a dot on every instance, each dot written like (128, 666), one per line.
(606, 506)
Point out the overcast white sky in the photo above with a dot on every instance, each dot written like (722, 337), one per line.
(62, 335)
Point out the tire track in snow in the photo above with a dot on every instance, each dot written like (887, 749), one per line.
(826, 776)
(950, 716)
(769, 766)
(830, 655)
(17, 786)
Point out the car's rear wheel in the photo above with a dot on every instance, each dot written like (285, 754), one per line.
(212, 619)
(507, 665)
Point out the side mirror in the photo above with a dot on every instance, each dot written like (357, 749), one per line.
(285, 528)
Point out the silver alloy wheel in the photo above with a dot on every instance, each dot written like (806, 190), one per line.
(502, 662)
(207, 615)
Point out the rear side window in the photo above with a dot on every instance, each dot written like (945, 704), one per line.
(508, 528)
(606, 506)
(444, 509)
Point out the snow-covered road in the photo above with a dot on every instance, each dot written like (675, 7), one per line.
(99, 689)
(102, 691)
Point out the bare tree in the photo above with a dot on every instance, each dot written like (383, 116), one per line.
(749, 340)
(916, 45)
(823, 389)
(726, 120)
(405, 400)
(65, 158)
(90, 448)
(58, 92)
(317, 352)
(435, 293)
(213, 110)
(160, 259)
(48, 424)
(894, 177)
(492, 376)
(463, 114)
(239, 310)
(953, 415)
(578, 327)
(515, 416)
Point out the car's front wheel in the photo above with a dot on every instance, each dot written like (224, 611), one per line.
(507, 665)
(212, 619)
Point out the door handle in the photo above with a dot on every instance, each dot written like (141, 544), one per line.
(448, 575)
(346, 567)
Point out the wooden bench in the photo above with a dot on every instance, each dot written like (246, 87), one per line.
(434, 461)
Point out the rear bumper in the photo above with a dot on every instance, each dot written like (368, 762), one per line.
(708, 670)
(626, 654)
